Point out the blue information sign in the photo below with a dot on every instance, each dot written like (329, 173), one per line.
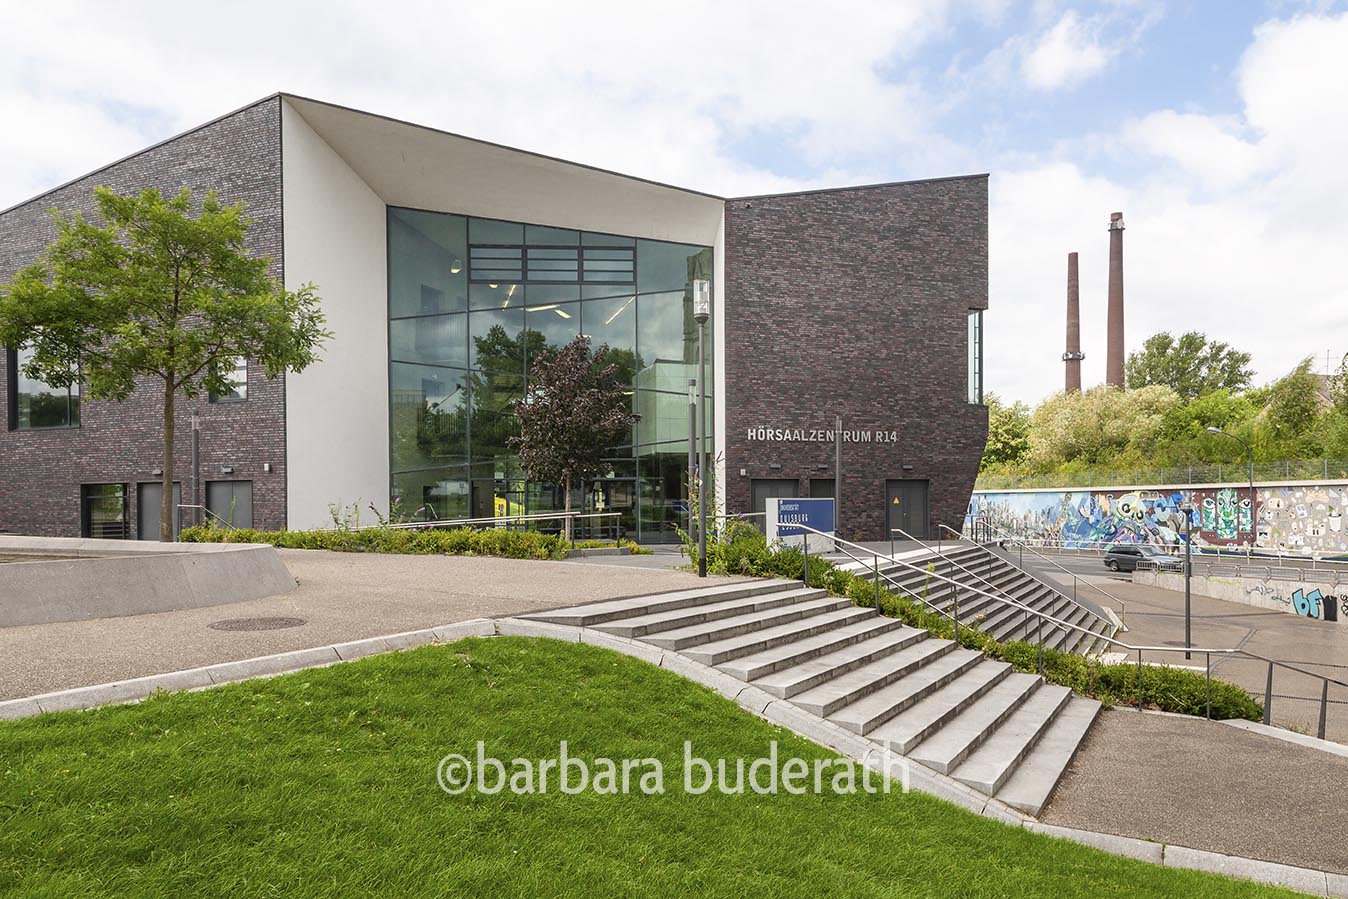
(816, 513)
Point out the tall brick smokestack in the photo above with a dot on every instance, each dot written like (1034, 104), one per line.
(1114, 334)
(1072, 358)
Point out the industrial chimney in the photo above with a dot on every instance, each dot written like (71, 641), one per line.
(1114, 334)
(1073, 356)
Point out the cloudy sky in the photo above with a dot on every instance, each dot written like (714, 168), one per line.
(1219, 127)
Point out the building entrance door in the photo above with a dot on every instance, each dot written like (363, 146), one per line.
(906, 507)
(762, 489)
(148, 497)
(612, 495)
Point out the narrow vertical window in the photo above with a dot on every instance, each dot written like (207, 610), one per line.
(976, 356)
(237, 376)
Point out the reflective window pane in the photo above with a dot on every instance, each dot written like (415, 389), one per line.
(495, 340)
(545, 294)
(551, 326)
(591, 239)
(436, 495)
(541, 235)
(427, 262)
(488, 231)
(42, 405)
(496, 295)
(614, 322)
(428, 416)
(438, 340)
(670, 266)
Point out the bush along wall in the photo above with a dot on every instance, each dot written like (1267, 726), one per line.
(741, 549)
(510, 544)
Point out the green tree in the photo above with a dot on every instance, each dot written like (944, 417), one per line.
(1294, 403)
(574, 411)
(1100, 426)
(156, 293)
(1008, 432)
(1338, 387)
(1191, 366)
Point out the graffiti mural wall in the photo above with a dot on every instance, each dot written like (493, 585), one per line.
(1304, 519)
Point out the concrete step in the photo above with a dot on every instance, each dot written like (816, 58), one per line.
(951, 745)
(681, 638)
(868, 713)
(989, 767)
(610, 610)
(850, 686)
(910, 727)
(1034, 780)
(639, 626)
(756, 639)
(823, 656)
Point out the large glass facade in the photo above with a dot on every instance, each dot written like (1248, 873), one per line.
(471, 304)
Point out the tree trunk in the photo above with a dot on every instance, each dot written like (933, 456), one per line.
(166, 509)
(567, 504)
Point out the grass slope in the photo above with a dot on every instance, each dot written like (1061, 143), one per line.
(323, 783)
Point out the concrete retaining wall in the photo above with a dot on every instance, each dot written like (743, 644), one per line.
(112, 578)
(1309, 599)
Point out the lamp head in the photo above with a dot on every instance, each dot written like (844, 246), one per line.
(1214, 430)
(701, 300)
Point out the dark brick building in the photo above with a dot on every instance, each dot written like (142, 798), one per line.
(856, 303)
(862, 303)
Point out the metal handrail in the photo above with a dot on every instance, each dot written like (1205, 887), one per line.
(229, 525)
(1114, 641)
(1263, 572)
(1216, 551)
(535, 516)
(1089, 610)
(1123, 609)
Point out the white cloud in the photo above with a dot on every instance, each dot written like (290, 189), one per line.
(1069, 51)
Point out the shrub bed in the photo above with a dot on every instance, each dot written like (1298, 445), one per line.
(509, 544)
(741, 549)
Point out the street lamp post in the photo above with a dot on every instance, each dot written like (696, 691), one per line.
(1250, 453)
(701, 312)
(1188, 510)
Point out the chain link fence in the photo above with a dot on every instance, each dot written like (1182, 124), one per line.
(1224, 473)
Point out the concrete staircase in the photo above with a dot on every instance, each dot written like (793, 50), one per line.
(974, 567)
(1003, 733)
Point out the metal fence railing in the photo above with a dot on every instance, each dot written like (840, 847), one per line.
(1218, 473)
(858, 554)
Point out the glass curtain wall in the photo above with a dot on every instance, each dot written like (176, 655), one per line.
(473, 301)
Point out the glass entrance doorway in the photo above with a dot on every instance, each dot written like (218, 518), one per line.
(612, 495)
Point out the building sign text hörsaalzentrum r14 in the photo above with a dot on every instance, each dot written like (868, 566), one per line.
(821, 435)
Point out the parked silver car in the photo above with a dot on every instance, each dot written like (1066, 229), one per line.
(1128, 557)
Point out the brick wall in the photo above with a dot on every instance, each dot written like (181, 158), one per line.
(855, 302)
(41, 471)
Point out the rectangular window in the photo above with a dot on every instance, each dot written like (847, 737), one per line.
(34, 405)
(103, 511)
(976, 356)
(238, 381)
(499, 264)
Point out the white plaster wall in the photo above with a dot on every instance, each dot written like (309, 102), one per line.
(337, 444)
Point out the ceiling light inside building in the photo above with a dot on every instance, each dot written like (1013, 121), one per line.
(610, 319)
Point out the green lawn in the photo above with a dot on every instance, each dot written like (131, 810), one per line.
(323, 783)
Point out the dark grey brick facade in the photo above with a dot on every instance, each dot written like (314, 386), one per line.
(41, 471)
(855, 302)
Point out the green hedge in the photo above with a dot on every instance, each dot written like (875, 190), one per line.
(457, 542)
(741, 549)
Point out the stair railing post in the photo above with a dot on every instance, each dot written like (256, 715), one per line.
(1139, 679)
(877, 582)
(1268, 695)
(955, 604)
(1039, 635)
(1209, 684)
(805, 553)
(1324, 706)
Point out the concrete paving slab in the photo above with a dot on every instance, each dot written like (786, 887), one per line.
(1203, 784)
(340, 597)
